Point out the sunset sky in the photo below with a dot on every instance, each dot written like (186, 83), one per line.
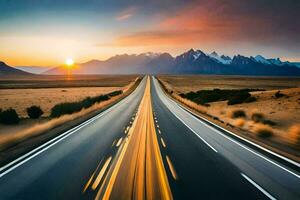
(45, 32)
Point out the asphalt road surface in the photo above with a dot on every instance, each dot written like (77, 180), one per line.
(147, 147)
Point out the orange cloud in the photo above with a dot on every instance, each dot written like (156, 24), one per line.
(209, 22)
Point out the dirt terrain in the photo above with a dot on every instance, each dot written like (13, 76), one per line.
(27, 92)
(182, 84)
(46, 91)
(62, 81)
(46, 98)
(283, 112)
(28, 129)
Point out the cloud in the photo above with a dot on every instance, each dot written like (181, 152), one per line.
(126, 14)
(123, 17)
(265, 23)
(155, 38)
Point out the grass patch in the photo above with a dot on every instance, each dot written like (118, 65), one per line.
(73, 107)
(278, 94)
(34, 112)
(9, 116)
(238, 114)
(257, 117)
(240, 122)
(250, 99)
(233, 96)
(294, 134)
(263, 131)
(260, 118)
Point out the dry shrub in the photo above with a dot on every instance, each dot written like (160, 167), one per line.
(263, 131)
(294, 134)
(257, 117)
(239, 113)
(167, 87)
(46, 126)
(190, 104)
(240, 122)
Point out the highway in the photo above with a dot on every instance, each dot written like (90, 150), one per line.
(147, 147)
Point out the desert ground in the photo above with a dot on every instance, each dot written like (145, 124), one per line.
(46, 98)
(62, 81)
(188, 83)
(283, 111)
(20, 93)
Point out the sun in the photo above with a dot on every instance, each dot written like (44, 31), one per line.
(69, 62)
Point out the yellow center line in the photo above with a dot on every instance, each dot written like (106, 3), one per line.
(91, 178)
(137, 171)
(171, 167)
(101, 173)
(88, 183)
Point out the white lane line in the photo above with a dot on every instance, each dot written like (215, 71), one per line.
(258, 187)
(247, 148)
(26, 157)
(196, 133)
(119, 142)
(252, 151)
(43, 145)
(244, 139)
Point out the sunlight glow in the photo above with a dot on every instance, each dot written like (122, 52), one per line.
(69, 62)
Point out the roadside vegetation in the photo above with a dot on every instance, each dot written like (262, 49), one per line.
(9, 116)
(72, 107)
(268, 116)
(63, 114)
(34, 112)
(231, 96)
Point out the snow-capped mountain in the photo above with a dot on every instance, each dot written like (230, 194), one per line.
(262, 59)
(190, 62)
(221, 59)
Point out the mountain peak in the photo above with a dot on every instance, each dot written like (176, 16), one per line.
(214, 54)
(261, 59)
(8, 70)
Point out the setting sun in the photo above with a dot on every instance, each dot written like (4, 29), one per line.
(69, 62)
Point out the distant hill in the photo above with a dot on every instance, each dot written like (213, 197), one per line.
(190, 62)
(33, 69)
(8, 70)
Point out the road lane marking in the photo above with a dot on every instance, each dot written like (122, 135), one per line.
(40, 149)
(172, 169)
(101, 173)
(88, 183)
(119, 142)
(92, 177)
(127, 129)
(163, 142)
(247, 148)
(113, 143)
(196, 134)
(138, 163)
(258, 187)
(227, 137)
(159, 131)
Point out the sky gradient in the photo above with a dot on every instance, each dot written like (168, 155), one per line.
(45, 32)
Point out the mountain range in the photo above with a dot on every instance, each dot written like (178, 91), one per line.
(190, 62)
(8, 70)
